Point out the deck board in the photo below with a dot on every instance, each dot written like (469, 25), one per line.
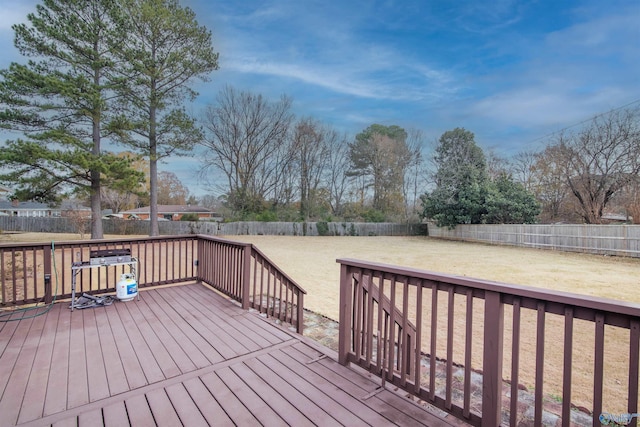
(185, 407)
(17, 380)
(313, 410)
(181, 356)
(36, 391)
(190, 341)
(78, 387)
(58, 370)
(356, 405)
(91, 419)
(154, 344)
(127, 328)
(7, 329)
(114, 366)
(163, 412)
(96, 365)
(279, 404)
(10, 355)
(134, 373)
(209, 406)
(139, 412)
(238, 413)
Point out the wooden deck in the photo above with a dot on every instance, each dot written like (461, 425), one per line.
(182, 355)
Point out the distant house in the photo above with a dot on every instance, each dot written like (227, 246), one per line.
(42, 210)
(74, 208)
(173, 212)
(31, 209)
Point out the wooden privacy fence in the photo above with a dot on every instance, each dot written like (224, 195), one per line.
(620, 240)
(477, 342)
(41, 272)
(131, 227)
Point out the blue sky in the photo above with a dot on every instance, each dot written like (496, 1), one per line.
(512, 72)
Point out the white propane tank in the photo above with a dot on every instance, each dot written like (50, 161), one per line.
(127, 287)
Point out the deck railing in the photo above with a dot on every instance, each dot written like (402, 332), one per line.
(478, 344)
(41, 272)
(243, 272)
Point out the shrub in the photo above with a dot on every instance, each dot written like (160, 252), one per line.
(323, 228)
(190, 217)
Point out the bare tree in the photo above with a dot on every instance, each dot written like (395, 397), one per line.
(79, 220)
(117, 200)
(171, 191)
(312, 143)
(547, 181)
(522, 168)
(337, 180)
(600, 160)
(246, 140)
(630, 199)
(497, 165)
(412, 177)
(381, 155)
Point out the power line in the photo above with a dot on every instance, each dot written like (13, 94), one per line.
(583, 122)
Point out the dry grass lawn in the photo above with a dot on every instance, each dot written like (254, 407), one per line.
(311, 262)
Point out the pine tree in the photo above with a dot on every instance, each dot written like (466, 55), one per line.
(58, 103)
(165, 52)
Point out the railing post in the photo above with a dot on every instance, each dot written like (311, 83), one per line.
(492, 359)
(300, 326)
(46, 264)
(344, 325)
(197, 259)
(246, 276)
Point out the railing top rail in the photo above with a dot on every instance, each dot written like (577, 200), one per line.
(96, 242)
(285, 275)
(222, 240)
(566, 298)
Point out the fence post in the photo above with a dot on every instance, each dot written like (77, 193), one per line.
(246, 275)
(492, 359)
(344, 325)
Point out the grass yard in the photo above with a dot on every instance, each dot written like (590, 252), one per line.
(311, 261)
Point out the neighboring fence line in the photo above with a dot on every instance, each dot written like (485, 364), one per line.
(129, 227)
(620, 240)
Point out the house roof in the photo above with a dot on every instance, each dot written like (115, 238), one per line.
(170, 209)
(7, 205)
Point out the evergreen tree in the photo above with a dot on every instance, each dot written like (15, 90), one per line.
(508, 202)
(58, 102)
(164, 53)
(465, 194)
(461, 181)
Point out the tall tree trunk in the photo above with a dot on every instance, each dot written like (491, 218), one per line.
(96, 207)
(96, 201)
(153, 175)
